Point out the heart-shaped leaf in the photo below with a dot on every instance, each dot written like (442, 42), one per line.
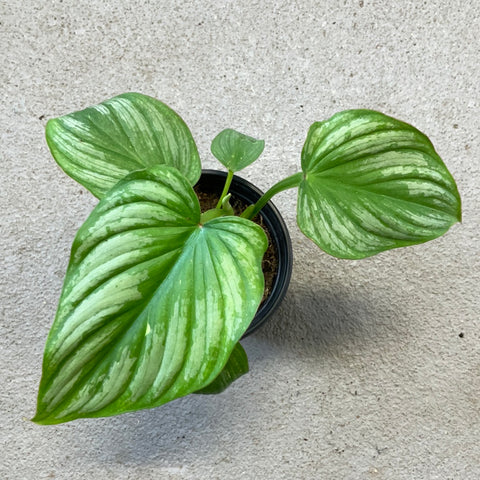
(372, 183)
(236, 150)
(236, 366)
(98, 146)
(153, 302)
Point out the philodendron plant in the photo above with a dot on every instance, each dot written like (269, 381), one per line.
(157, 294)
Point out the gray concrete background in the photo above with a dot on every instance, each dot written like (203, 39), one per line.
(363, 373)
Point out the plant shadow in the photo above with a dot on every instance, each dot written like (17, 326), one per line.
(311, 322)
(171, 437)
(320, 322)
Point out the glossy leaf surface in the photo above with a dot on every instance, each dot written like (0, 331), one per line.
(236, 150)
(236, 366)
(98, 146)
(153, 302)
(372, 183)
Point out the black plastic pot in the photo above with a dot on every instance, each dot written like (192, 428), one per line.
(213, 181)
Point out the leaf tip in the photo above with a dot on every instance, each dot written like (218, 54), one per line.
(459, 216)
(39, 419)
(44, 418)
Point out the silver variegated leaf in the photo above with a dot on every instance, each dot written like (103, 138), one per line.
(372, 183)
(236, 366)
(98, 146)
(236, 150)
(153, 302)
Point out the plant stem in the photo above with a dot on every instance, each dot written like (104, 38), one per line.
(289, 182)
(228, 181)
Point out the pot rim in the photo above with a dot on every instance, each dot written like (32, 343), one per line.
(277, 228)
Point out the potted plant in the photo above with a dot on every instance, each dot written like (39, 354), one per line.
(158, 294)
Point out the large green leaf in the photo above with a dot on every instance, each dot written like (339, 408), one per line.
(236, 366)
(98, 146)
(153, 302)
(236, 150)
(372, 183)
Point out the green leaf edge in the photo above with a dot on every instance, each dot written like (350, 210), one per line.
(433, 152)
(216, 149)
(211, 388)
(236, 366)
(54, 123)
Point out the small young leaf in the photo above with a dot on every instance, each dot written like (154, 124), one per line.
(153, 302)
(372, 183)
(236, 366)
(236, 150)
(98, 146)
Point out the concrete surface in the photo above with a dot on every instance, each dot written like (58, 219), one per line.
(370, 370)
